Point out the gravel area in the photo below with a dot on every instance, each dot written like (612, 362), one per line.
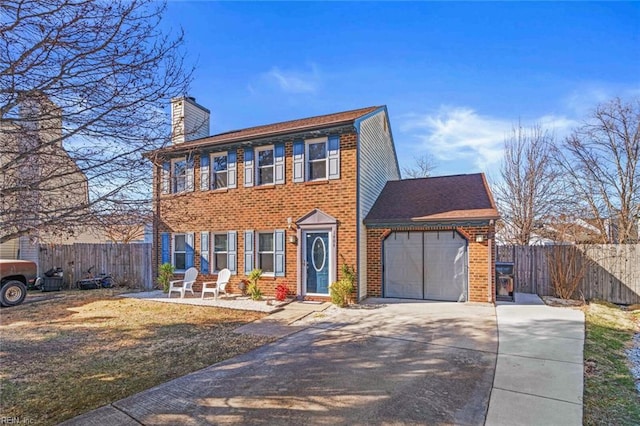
(633, 355)
(230, 302)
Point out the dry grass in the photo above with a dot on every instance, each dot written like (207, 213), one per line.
(610, 396)
(80, 350)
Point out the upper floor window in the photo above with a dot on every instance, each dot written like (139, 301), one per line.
(264, 171)
(179, 174)
(317, 159)
(219, 172)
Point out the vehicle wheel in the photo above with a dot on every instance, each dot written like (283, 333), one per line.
(13, 293)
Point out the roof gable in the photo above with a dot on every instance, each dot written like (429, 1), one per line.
(316, 217)
(435, 199)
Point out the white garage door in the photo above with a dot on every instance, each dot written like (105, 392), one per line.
(425, 265)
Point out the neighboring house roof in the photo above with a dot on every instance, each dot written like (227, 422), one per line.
(434, 199)
(304, 124)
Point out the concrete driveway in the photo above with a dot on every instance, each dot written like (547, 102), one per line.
(389, 362)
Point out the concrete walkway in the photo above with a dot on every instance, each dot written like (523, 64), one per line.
(281, 323)
(539, 373)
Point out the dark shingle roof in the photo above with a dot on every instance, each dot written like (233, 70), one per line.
(275, 129)
(443, 198)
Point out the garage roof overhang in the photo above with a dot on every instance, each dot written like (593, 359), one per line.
(428, 223)
(481, 217)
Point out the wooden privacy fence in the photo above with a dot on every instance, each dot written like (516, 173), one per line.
(611, 271)
(128, 264)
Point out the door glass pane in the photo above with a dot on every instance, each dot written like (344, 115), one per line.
(319, 254)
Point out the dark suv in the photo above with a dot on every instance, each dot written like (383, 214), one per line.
(15, 276)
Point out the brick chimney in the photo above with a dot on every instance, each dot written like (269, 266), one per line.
(189, 120)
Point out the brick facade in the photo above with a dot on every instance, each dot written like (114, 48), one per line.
(351, 197)
(481, 280)
(266, 208)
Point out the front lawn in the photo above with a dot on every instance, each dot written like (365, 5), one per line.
(80, 350)
(610, 396)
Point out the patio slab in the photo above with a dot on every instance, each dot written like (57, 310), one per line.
(229, 302)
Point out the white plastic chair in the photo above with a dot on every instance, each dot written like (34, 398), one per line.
(219, 286)
(190, 276)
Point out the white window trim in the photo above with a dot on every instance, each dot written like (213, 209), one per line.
(172, 175)
(307, 158)
(212, 171)
(212, 262)
(256, 161)
(258, 252)
(173, 250)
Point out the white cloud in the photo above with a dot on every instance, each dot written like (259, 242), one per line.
(560, 126)
(586, 97)
(460, 133)
(294, 81)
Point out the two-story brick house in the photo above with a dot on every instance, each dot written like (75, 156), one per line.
(289, 198)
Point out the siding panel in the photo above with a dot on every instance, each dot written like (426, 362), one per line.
(377, 165)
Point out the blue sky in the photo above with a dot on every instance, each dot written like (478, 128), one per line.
(455, 76)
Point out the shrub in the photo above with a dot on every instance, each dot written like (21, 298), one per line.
(282, 291)
(341, 292)
(567, 267)
(342, 289)
(252, 288)
(165, 273)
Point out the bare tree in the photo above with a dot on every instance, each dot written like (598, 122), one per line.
(601, 164)
(83, 84)
(527, 191)
(423, 167)
(125, 224)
